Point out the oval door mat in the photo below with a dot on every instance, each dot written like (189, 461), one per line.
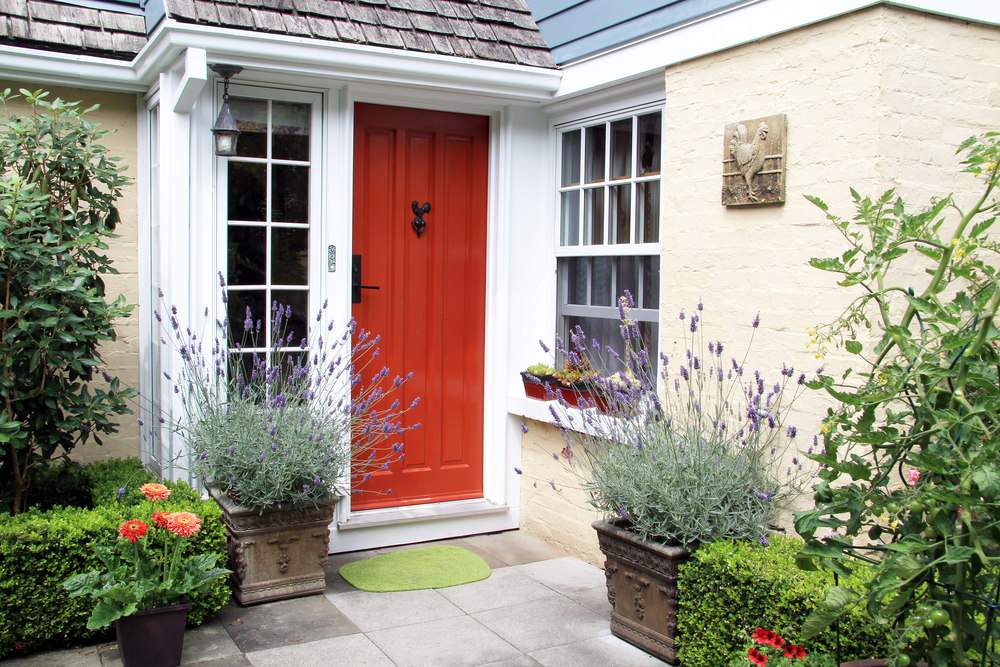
(416, 569)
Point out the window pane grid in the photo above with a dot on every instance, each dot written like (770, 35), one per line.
(612, 167)
(252, 257)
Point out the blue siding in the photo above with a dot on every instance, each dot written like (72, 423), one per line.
(577, 28)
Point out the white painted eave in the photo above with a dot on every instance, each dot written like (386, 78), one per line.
(739, 25)
(283, 55)
(36, 67)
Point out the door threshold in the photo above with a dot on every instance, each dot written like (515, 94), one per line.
(414, 513)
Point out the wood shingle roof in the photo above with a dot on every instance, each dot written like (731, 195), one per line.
(495, 30)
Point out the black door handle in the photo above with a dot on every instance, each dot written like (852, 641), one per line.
(356, 285)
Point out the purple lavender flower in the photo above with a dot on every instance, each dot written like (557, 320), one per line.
(524, 427)
(121, 492)
(140, 422)
(791, 434)
(802, 378)
(756, 321)
(544, 346)
(694, 323)
(518, 471)
(682, 315)
(622, 512)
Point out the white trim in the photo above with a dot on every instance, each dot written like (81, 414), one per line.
(193, 81)
(391, 516)
(440, 523)
(731, 28)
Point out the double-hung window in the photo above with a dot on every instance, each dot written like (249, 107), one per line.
(609, 225)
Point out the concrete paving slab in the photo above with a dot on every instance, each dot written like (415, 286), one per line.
(544, 623)
(565, 575)
(505, 587)
(598, 652)
(276, 624)
(344, 651)
(376, 611)
(514, 547)
(207, 643)
(449, 642)
(594, 599)
(520, 661)
(71, 657)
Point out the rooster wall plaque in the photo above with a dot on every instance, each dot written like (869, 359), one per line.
(753, 162)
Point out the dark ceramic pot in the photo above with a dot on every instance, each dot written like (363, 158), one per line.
(642, 589)
(153, 637)
(276, 554)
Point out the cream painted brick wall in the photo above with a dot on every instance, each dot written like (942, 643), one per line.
(875, 99)
(559, 515)
(117, 113)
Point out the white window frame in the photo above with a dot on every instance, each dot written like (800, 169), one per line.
(606, 249)
(317, 265)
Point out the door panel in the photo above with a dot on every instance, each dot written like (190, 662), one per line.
(430, 308)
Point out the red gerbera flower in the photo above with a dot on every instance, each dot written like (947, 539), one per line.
(133, 530)
(155, 491)
(160, 518)
(183, 523)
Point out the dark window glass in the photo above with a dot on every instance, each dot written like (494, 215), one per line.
(621, 213)
(648, 211)
(651, 282)
(571, 158)
(289, 193)
(595, 153)
(576, 275)
(603, 282)
(593, 216)
(608, 332)
(239, 302)
(290, 131)
(570, 218)
(247, 191)
(621, 149)
(294, 324)
(251, 119)
(628, 278)
(246, 255)
(649, 144)
(289, 256)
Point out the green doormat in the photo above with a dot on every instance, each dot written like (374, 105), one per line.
(415, 569)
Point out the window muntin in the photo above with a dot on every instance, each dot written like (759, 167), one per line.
(617, 201)
(609, 229)
(269, 212)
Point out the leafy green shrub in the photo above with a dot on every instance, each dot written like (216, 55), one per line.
(729, 588)
(58, 187)
(64, 483)
(41, 549)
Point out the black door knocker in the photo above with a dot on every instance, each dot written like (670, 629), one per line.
(419, 224)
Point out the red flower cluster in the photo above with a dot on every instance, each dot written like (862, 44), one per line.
(771, 638)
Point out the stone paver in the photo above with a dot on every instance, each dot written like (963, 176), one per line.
(282, 623)
(599, 652)
(346, 651)
(449, 642)
(377, 611)
(505, 587)
(73, 657)
(544, 623)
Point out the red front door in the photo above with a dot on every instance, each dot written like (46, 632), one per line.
(430, 308)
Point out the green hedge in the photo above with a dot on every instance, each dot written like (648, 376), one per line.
(41, 549)
(729, 588)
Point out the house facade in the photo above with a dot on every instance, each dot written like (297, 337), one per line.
(556, 177)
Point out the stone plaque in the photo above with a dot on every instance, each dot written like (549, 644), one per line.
(753, 161)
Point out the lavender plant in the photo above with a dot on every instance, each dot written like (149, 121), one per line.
(695, 457)
(285, 426)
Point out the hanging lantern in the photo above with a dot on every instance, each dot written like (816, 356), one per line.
(225, 129)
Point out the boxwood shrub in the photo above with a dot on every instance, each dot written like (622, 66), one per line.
(728, 588)
(40, 549)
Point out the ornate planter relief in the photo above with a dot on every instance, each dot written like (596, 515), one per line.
(642, 589)
(279, 554)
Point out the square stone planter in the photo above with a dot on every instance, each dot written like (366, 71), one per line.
(642, 589)
(279, 554)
